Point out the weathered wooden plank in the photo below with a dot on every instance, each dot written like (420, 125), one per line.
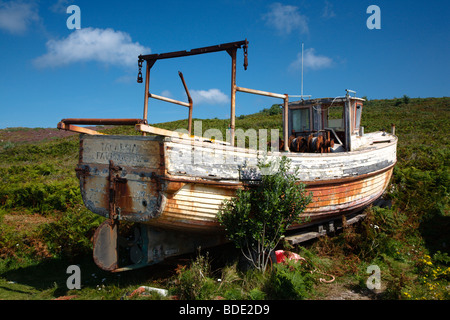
(302, 237)
(122, 150)
(73, 128)
(206, 161)
(322, 229)
(163, 132)
(192, 207)
(175, 213)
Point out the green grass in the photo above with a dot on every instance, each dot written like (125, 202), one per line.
(44, 226)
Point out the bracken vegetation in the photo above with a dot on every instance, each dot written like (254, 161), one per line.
(44, 226)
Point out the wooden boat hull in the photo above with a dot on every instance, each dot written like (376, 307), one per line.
(159, 182)
(195, 205)
(173, 188)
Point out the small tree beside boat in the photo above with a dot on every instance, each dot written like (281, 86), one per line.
(261, 213)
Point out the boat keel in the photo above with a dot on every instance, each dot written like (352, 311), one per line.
(149, 246)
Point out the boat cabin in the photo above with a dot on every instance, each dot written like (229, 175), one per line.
(325, 125)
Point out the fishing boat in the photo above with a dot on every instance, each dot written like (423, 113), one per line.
(172, 184)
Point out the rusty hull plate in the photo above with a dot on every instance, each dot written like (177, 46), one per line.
(105, 246)
(137, 159)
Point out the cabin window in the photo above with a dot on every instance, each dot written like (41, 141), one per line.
(300, 120)
(335, 118)
(358, 116)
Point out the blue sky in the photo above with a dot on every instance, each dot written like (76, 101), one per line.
(49, 72)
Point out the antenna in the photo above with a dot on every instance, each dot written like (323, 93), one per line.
(301, 96)
(302, 71)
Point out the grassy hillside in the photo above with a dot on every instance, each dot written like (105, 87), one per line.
(45, 227)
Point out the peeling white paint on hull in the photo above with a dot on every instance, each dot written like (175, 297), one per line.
(177, 183)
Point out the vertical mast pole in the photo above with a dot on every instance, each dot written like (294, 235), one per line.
(147, 80)
(286, 123)
(302, 72)
(232, 53)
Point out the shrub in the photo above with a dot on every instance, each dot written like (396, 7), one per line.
(422, 192)
(194, 283)
(259, 215)
(273, 110)
(69, 235)
(405, 99)
(433, 277)
(289, 280)
(256, 294)
(41, 197)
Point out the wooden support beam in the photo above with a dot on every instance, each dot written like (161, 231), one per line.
(181, 103)
(71, 127)
(262, 93)
(169, 133)
(161, 132)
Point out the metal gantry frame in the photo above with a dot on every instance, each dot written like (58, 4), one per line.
(231, 49)
(150, 59)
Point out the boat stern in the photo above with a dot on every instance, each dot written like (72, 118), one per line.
(117, 176)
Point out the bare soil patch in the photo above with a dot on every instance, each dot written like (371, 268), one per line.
(345, 291)
(25, 225)
(26, 222)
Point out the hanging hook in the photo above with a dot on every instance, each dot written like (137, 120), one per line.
(139, 77)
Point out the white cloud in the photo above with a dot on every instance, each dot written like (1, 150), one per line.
(286, 19)
(15, 17)
(91, 44)
(211, 96)
(126, 79)
(328, 11)
(60, 6)
(311, 60)
(167, 94)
